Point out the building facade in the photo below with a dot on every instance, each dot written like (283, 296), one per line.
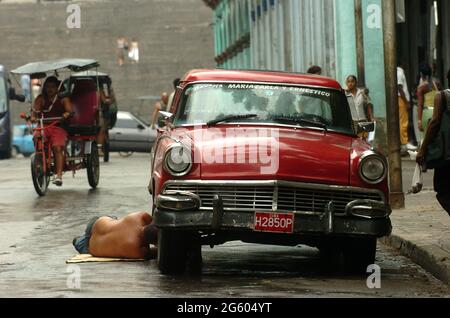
(292, 35)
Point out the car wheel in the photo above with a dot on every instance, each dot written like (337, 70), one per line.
(172, 252)
(5, 154)
(358, 254)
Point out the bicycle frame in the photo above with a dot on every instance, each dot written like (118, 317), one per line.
(43, 147)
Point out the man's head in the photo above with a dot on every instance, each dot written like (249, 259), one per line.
(316, 70)
(425, 70)
(176, 82)
(51, 87)
(165, 98)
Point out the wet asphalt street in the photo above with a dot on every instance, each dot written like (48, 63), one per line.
(36, 239)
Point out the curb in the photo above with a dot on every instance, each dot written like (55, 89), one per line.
(430, 257)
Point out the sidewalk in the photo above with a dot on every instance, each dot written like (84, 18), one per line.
(421, 232)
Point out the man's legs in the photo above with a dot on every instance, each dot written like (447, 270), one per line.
(403, 112)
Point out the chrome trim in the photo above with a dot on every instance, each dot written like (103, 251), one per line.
(264, 83)
(368, 205)
(363, 158)
(178, 196)
(166, 166)
(276, 185)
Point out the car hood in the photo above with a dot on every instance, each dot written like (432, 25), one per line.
(255, 153)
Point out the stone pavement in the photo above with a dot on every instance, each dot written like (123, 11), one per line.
(421, 232)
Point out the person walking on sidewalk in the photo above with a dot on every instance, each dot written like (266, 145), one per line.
(404, 99)
(442, 173)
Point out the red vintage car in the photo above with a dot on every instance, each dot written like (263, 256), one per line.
(270, 158)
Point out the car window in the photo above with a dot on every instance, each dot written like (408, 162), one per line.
(126, 123)
(205, 102)
(3, 96)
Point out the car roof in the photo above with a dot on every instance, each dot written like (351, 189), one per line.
(257, 76)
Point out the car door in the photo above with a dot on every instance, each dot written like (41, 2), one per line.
(129, 134)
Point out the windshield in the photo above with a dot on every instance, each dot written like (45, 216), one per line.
(289, 105)
(3, 96)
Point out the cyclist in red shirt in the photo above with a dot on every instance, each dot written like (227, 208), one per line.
(54, 106)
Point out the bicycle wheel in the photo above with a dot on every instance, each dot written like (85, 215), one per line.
(93, 166)
(40, 178)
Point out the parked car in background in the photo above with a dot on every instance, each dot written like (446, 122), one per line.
(270, 158)
(22, 141)
(131, 134)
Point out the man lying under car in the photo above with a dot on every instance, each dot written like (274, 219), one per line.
(129, 237)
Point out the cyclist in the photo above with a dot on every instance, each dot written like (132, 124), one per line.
(51, 105)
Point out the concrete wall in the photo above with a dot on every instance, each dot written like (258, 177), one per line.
(174, 36)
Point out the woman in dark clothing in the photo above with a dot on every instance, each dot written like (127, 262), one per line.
(441, 174)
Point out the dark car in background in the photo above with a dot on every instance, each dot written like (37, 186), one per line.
(131, 134)
(6, 93)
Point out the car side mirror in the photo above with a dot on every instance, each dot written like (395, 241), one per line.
(366, 127)
(140, 127)
(163, 118)
(17, 97)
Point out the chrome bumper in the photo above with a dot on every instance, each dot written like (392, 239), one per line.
(181, 209)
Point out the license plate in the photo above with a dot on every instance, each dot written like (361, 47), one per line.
(274, 222)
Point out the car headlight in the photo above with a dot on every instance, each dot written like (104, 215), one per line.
(372, 168)
(178, 160)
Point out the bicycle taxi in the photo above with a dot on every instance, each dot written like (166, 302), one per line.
(82, 126)
(107, 108)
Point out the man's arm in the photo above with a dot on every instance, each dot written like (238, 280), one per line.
(155, 114)
(36, 107)
(432, 130)
(67, 107)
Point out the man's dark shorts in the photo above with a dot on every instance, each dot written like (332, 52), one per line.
(81, 243)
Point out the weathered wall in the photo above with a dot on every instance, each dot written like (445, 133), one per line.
(174, 36)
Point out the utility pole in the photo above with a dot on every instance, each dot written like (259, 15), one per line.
(397, 197)
(360, 44)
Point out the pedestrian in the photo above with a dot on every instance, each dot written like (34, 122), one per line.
(176, 82)
(25, 83)
(436, 125)
(161, 105)
(130, 237)
(315, 70)
(364, 106)
(404, 99)
(35, 88)
(122, 48)
(426, 92)
(133, 54)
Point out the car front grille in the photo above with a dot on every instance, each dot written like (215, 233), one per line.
(298, 199)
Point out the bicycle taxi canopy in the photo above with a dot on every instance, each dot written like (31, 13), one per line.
(40, 69)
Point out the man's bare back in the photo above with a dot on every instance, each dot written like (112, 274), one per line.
(124, 238)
